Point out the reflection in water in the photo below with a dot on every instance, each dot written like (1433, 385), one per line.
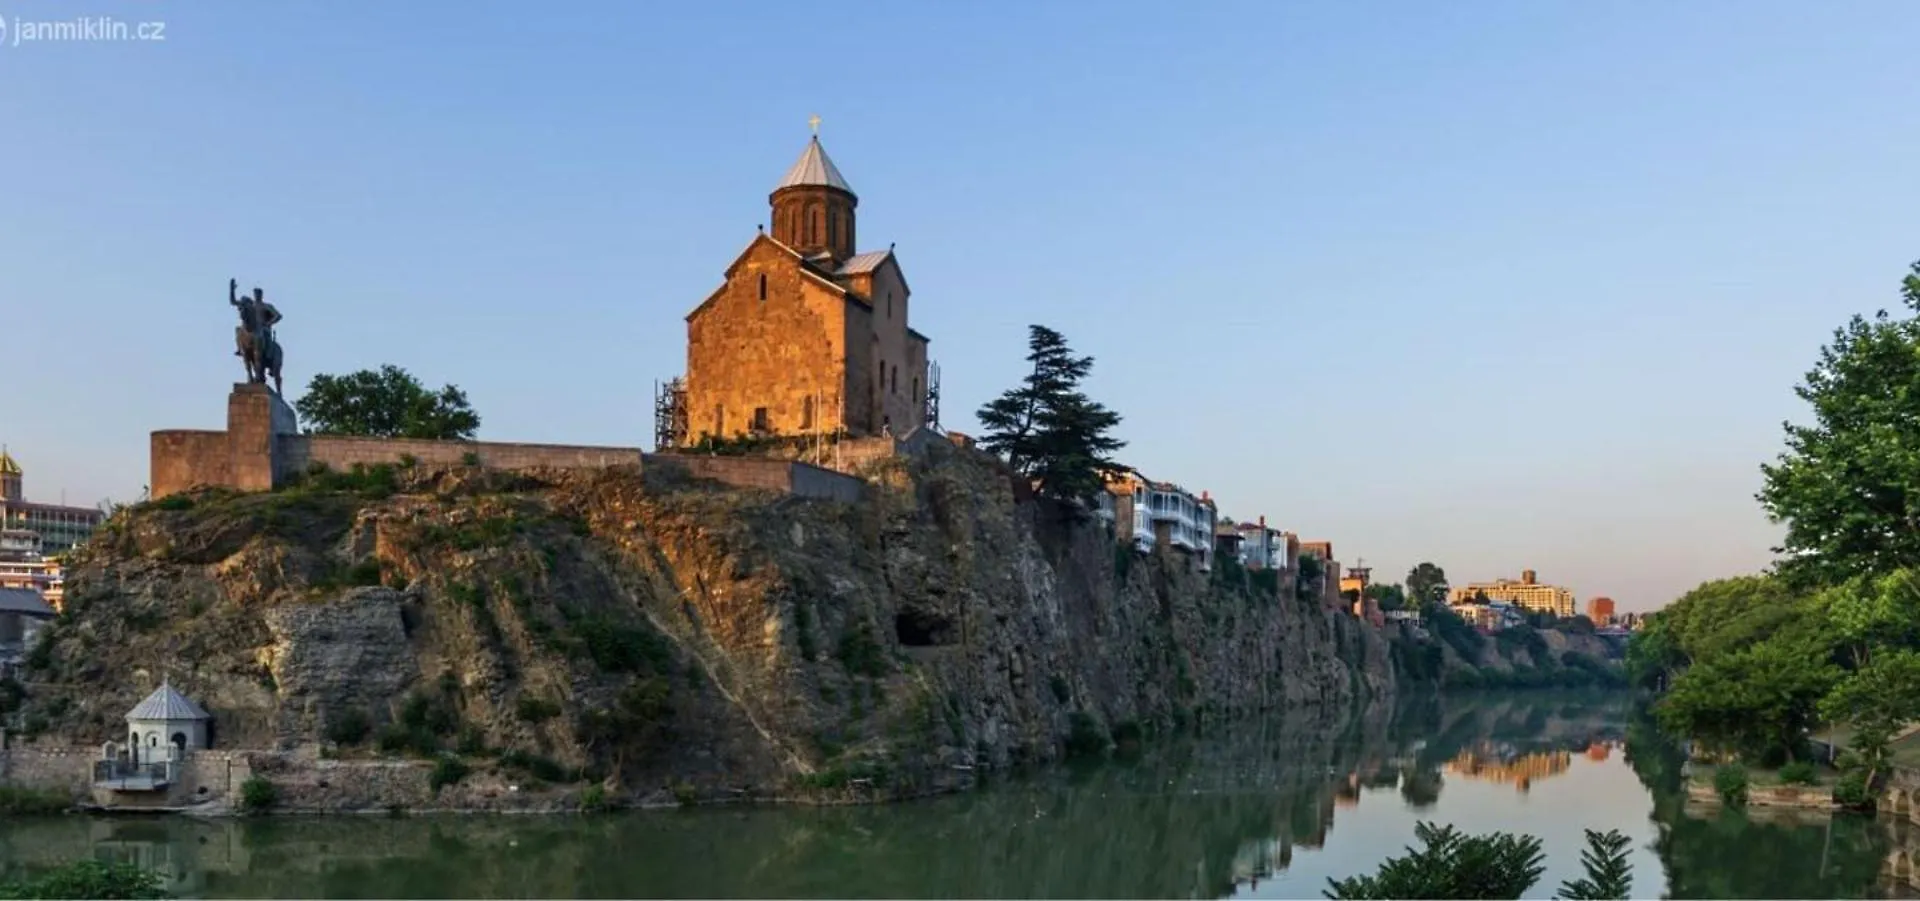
(1250, 812)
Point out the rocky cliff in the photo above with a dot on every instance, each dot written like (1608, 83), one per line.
(664, 636)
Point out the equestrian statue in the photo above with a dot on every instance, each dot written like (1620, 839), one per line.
(253, 337)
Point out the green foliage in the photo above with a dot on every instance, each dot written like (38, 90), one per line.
(535, 709)
(1085, 738)
(1062, 692)
(1426, 587)
(258, 795)
(18, 801)
(89, 879)
(1455, 631)
(447, 771)
(1730, 782)
(12, 694)
(618, 648)
(1758, 698)
(1049, 430)
(540, 767)
(174, 503)
(593, 799)
(1609, 876)
(1451, 865)
(1851, 791)
(386, 403)
(1388, 596)
(1876, 701)
(349, 727)
(860, 653)
(1799, 772)
(1848, 485)
(1309, 571)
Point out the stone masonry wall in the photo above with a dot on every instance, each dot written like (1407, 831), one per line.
(67, 770)
(183, 459)
(297, 452)
(786, 477)
(779, 353)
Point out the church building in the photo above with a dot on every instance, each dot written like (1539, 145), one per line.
(806, 335)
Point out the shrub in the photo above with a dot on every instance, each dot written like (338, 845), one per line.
(534, 709)
(1799, 772)
(257, 795)
(15, 801)
(1731, 782)
(1084, 735)
(90, 879)
(1452, 865)
(349, 728)
(1062, 692)
(859, 653)
(447, 771)
(593, 799)
(1851, 791)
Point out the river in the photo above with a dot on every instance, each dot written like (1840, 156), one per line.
(1258, 810)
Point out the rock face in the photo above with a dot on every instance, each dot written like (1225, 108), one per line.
(674, 640)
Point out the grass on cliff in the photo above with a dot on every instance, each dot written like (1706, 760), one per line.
(16, 801)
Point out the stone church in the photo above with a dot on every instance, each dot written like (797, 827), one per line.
(806, 336)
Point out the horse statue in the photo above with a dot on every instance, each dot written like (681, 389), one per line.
(253, 338)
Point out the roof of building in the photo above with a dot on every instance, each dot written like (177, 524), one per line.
(864, 262)
(24, 601)
(8, 466)
(167, 704)
(814, 169)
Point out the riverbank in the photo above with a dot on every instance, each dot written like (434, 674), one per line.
(427, 634)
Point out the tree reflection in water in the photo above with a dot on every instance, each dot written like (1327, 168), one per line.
(1206, 816)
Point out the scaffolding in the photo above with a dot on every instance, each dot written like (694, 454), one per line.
(669, 414)
(932, 414)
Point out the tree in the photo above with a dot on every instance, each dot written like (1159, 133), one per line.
(1609, 876)
(1388, 595)
(1426, 586)
(1876, 701)
(1848, 486)
(1048, 429)
(1873, 613)
(1756, 700)
(386, 403)
(1451, 865)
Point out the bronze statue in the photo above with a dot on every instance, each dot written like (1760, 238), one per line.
(253, 337)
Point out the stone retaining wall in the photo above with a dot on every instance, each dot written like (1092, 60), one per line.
(784, 476)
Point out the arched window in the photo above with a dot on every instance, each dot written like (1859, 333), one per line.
(719, 421)
(806, 413)
(916, 389)
(833, 228)
(816, 223)
(893, 385)
(153, 739)
(763, 287)
(889, 304)
(180, 740)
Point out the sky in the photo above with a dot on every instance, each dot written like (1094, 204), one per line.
(1499, 285)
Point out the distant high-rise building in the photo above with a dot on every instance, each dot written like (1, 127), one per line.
(1528, 594)
(1600, 610)
(59, 527)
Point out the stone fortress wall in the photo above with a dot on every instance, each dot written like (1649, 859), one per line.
(262, 449)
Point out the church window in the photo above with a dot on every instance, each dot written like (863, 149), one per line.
(916, 389)
(814, 223)
(806, 413)
(719, 420)
(833, 228)
(889, 304)
(894, 386)
(760, 420)
(763, 287)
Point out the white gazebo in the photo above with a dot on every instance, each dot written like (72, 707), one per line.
(166, 725)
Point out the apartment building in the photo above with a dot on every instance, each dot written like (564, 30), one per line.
(1529, 593)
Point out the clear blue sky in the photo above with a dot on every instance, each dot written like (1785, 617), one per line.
(1495, 284)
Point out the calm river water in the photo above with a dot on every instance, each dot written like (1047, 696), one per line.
(1267, 810)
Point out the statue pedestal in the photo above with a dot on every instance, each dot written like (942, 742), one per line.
(256, 418)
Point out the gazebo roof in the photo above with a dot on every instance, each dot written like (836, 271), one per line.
(167, 704)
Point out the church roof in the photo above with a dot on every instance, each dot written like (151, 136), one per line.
(167, 704)
(814, 169)
(8, 466)
(863, 262)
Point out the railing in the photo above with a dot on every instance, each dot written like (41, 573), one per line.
(152, 774)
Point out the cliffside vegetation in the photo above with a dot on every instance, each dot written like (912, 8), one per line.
(1750, 665)
(668, 639)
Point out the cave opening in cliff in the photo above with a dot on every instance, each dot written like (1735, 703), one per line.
(923, 628)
